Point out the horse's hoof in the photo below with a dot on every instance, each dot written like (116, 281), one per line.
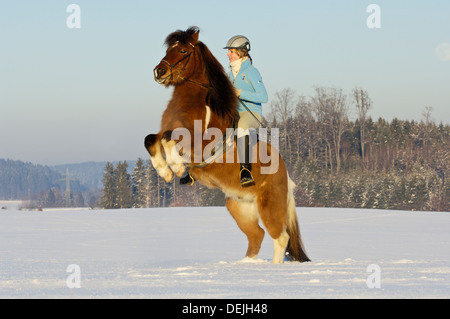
(149, 140)
(187, 180)
(168, 176)
(179, 169)
(165, 173)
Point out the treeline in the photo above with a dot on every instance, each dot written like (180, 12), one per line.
(335, 161)
(143, 188)
(55, 197)
(21, 180)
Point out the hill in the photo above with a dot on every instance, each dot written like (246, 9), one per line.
(22, 180)
(89, 174)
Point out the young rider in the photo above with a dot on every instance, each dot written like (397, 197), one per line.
(250, 90)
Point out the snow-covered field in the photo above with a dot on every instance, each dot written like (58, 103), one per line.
(198, 253)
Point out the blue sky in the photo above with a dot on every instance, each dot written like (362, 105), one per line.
(75, 95)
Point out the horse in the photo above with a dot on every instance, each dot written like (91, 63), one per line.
(204, 100)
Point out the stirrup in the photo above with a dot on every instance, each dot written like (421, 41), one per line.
(246, 180)
(187, 180)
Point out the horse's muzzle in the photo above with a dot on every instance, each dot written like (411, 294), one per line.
(159, 73)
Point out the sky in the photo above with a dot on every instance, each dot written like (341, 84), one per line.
(72, 95)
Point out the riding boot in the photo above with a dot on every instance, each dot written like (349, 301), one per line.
(187, 179)
(245, 155)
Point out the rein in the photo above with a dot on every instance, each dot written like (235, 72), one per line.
(217, 151)
(253, 114)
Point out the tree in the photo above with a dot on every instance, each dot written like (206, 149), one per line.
(139, 182)
(331, 112)
(108, 199)
(92, 202)
(124, 190)
(151, 186)
(282, 108)
(50, 200)
(427, 130)
(363, 104)
(78, 200)
(305, 129)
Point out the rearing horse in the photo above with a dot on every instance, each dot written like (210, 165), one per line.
(203, 94)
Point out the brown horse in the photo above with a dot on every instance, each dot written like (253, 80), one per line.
(204, 101)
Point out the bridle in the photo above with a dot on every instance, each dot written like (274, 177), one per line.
(188, 57)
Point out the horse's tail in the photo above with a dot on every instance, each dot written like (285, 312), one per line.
(295, 249)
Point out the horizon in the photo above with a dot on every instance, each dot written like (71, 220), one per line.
(77, 86)
(65, 164)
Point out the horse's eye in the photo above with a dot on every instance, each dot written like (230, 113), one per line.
(183, 51)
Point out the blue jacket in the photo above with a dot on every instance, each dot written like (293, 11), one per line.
(253, 92)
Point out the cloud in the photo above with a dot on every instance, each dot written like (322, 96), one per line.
(443, 51)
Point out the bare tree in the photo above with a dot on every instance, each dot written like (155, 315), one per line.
(363, 104)
(427, 129)
(306, 127)
(282, 107)
(330, 107)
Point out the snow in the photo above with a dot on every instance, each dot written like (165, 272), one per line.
(199, 253)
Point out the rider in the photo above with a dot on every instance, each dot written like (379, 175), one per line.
(251, 92)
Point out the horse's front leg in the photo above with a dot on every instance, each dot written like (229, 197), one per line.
(174, 159)
(152, 144)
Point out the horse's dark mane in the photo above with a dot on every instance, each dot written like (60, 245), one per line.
(221, 96)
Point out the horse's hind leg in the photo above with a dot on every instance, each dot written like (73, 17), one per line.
(246, 216)
(279, 247)
(152, 144)
(273, 213)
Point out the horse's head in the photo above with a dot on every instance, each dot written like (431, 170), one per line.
(188, 60)
(177, 64)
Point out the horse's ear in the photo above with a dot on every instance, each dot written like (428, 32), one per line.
(195, 35)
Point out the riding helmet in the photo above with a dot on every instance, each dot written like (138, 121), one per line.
(238, 42)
